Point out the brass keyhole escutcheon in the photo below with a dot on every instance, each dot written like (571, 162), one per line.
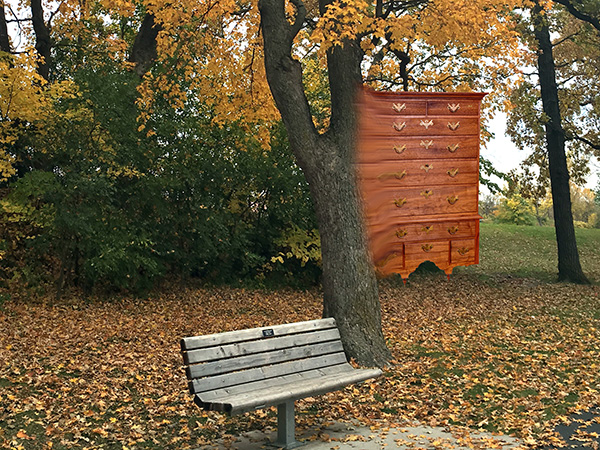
(427, 167)
(453, 230)
(452, 148)
(463, 251)
(426, 123)
(453, 126)
(400, 202)
(427, 247)
(399, 126)
(453, 107)
(427, 193)
(427, 229)
(452, 200)
(399, 107)
(453, 172)
(399, 148)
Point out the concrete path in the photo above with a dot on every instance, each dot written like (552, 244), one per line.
(343, 436)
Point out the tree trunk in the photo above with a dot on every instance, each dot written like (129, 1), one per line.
(4, 40)
(349, 284)
(143, 51)
(43, 42)
(569, 267)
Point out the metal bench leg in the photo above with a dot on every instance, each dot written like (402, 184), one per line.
(286, 426)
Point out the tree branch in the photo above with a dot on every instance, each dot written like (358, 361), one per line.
(300, 16)
(43, 41)
(284, 75)
(573, 136)
(594, 21)
(4, 40)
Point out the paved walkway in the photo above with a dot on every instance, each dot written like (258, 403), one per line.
(342, 436)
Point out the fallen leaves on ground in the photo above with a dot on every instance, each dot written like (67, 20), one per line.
(507, 355)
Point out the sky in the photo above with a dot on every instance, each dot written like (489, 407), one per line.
(504, 155)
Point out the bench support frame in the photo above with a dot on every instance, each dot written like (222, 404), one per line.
(286, 426)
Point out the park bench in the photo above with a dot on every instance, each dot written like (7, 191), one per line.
(241, 371)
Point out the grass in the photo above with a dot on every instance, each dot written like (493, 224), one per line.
(501, 346)
(530, 251)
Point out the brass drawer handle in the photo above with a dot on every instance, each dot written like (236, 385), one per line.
(453, 172)
(427, 247)
(401, 233)
(427, 167)
(453, 126)
(453, 107)
(426, 124)
(463, 251)
(453, 230)
(452, 148)
(399, 148)
(398, 175)
(399, 126)
(399, 107)
(426, 144)
(427, 193)
(427, 229)
(452, 200)
(400, 202)
(387, 259)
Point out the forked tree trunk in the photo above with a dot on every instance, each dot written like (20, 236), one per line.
(349, 284)
(569, 267)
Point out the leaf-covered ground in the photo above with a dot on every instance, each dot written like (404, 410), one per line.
(489, 349)
(505, 354)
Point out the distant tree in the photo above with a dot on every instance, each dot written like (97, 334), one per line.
(516, 210)
(549, 119)
(487, 206)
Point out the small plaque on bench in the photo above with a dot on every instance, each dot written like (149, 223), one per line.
(268, 332)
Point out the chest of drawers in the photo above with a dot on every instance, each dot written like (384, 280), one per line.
(418, 172)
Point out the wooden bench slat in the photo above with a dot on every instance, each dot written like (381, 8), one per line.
(210, 340)
(240, 403)
(261, 359)
(294, 377)
(258, 346)
(266, 372)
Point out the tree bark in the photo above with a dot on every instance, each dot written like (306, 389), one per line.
(43, 41)
(4, 40)
(569, 267)
(349, 284)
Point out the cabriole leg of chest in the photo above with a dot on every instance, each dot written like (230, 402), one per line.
(286, 426)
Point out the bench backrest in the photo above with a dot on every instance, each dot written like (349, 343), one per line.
(227, 359)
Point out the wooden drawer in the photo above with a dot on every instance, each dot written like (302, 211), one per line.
(463, 251)
(390, 257)
(418, 173)
(453, 107)
(407, 148)
(386, 204)
(379, 125)
(394, 107)
(434, 251)
(383, 236)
